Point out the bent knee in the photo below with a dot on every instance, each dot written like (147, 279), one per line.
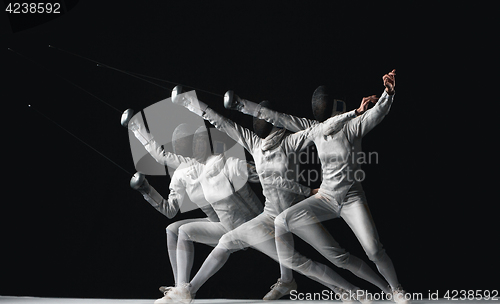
(301, 266)
(340, 260)
(184, 234)
(376, 254)
(229, 243)
(224, 242)
(172, 229)
(280, 220)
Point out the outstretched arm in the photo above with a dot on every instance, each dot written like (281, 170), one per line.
(282, 120)
(165, 158)
(334, 124)
(241, 135)
(372, 117)
(155, 150)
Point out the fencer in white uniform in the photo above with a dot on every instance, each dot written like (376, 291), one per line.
(233, 202)
(340, 193)
(270, 148)
(180, 186)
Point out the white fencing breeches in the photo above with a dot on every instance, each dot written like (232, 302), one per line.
(180, 238)
(172, 238)
(258, 233)
(303, 220)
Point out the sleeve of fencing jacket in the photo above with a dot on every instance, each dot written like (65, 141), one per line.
(364, 123)
(170, 207)
(245, 137)
(164, 157)
(278, 119)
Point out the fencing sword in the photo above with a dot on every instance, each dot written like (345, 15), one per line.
(60, 126)
(134, 74)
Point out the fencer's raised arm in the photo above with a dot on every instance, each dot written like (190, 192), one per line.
(245, 137)
(372, 117)
(241, 135)
(165, 158)
(282, 120)
(290, 122)
(336, 123)
(147, 140)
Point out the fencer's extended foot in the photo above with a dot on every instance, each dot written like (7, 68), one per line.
(280, 289)
(177, 295)
(361, 297)
(164, 300)
(399, 295)
(165, 289)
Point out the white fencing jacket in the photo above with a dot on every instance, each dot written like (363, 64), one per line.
(272, 165)
(219, 187)
(339, 153)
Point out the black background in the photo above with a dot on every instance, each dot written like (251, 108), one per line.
(72, 227)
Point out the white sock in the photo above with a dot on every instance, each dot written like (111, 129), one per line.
(185, 257)
(172, 252)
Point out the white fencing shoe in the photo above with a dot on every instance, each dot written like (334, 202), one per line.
(179, 294)
(399, 296)
(164, 299)
(164, 289)
(280, 289)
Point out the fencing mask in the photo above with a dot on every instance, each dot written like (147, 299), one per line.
(182, 140)
(201, 144)
(324, 105)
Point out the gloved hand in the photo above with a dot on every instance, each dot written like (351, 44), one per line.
(140, 183)
(126, 116)
(140, 132)
(136, 127)
(232, 101)
(189, 101)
